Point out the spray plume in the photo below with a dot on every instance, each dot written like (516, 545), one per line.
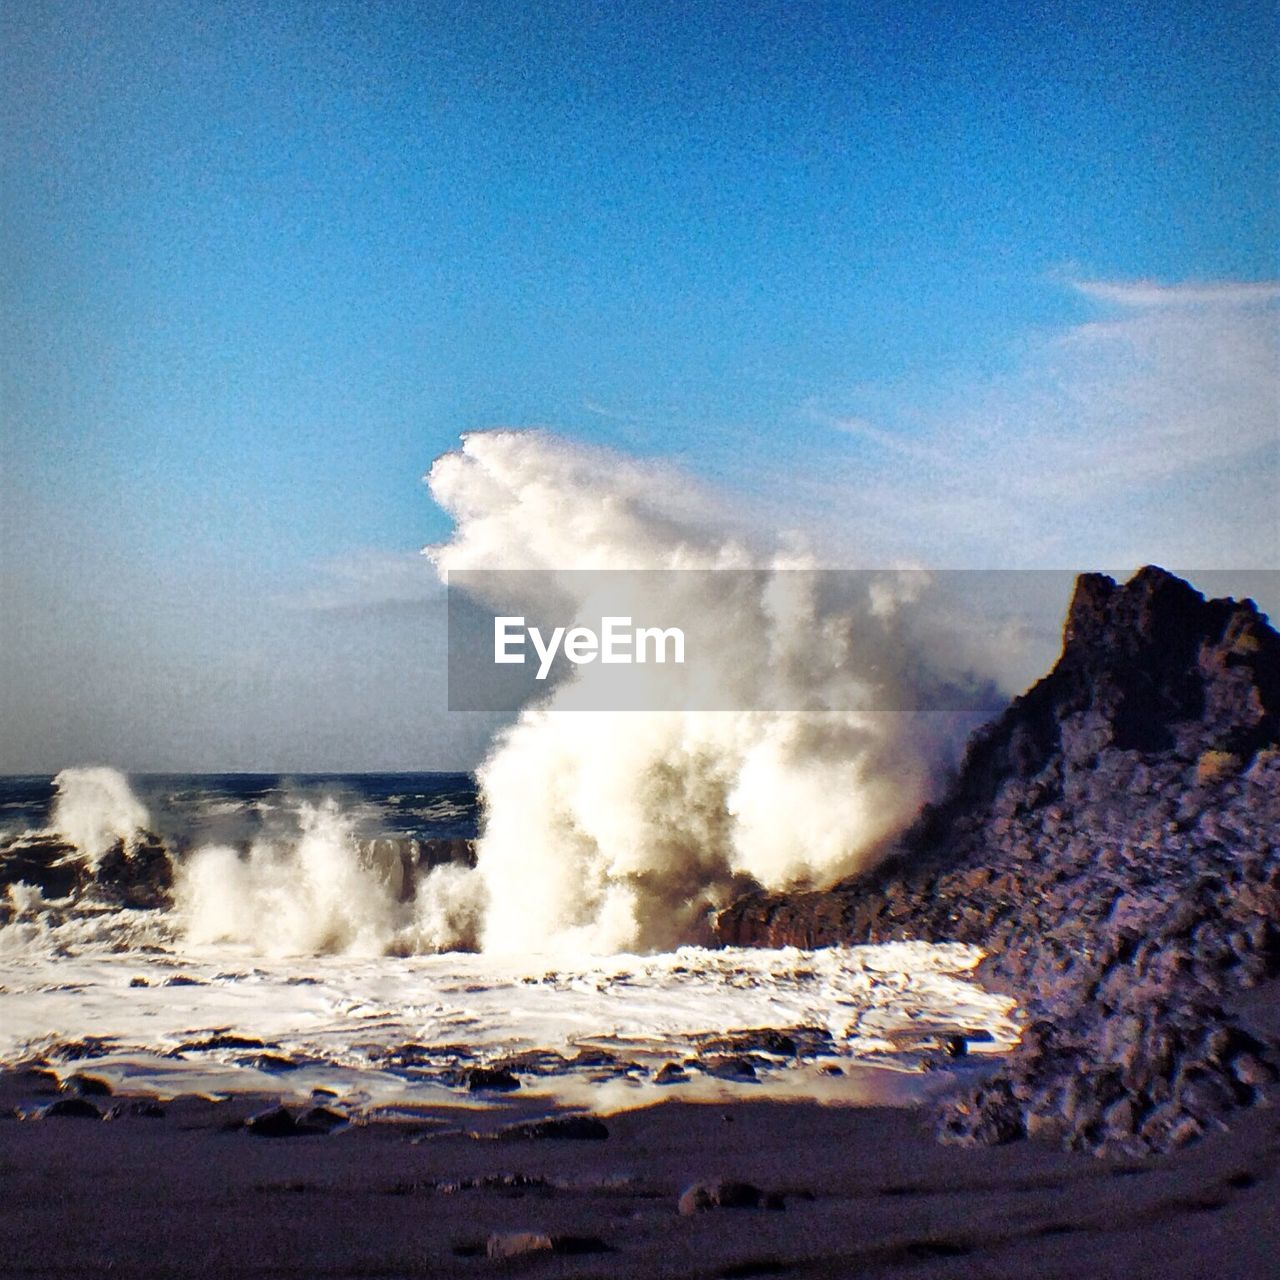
(608, 831)
(94, 810)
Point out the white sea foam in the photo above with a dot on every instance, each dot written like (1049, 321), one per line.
(340, 1014)
(25, 900)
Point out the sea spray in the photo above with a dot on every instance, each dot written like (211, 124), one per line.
(308, 867)
(94, 810)
(310, 888)
(609, 831)
(605, 831)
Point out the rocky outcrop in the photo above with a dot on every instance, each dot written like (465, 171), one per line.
(1112, 841)
(137, 873)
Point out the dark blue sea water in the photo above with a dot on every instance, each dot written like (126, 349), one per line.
(192, 809)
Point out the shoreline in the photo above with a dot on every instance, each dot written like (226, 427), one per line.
(864, 1024)
(862, 1190)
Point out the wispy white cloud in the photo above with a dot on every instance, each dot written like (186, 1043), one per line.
(1151, 293)
(899, 443)
(598, 410)
(1150, 435)
(368, 580)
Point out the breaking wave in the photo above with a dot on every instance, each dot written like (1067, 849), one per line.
(613, 831)
(321, 889)
(95, 810)
(601, 832)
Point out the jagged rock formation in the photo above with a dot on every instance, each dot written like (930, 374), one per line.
(1113, 841)
(136, 873)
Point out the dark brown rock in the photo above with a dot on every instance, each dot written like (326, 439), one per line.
(320, 1120)
(1112, 840)
(720, 1194)
(561, 1128)
(496, 1079)
(87, 1086)
(275, 1123)
(734, 1067)
(71, 1109)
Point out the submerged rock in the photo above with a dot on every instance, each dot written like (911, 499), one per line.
(564, 1128)
(71, 1109)
(720, 1194)
(497, 1079)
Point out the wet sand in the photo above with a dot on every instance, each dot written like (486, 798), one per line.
(865, 1191)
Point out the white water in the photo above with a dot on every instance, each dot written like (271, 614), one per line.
(605, 834)
(335, 1016)
(307, 891)
(626, 830)
(289, 945)
(94, 809)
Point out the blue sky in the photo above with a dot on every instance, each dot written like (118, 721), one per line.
(856, 263)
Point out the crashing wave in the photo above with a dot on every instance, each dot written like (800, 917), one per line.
(611, 831)
(309, 882)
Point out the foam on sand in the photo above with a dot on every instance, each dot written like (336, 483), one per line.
(343, 1021)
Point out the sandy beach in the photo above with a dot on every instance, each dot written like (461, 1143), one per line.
(862, 1190)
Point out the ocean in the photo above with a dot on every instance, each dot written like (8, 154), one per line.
(299, 935)
(189, 809)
